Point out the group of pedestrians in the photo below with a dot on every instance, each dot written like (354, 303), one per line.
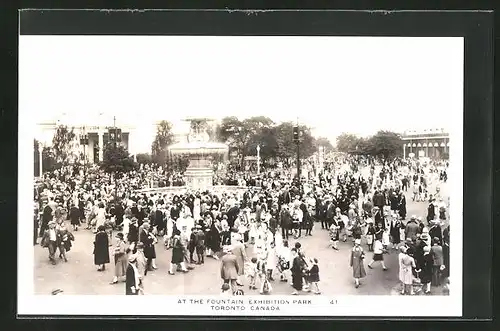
(248, 230)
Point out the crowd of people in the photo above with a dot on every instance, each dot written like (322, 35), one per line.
(355, 198)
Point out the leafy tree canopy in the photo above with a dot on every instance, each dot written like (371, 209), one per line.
(63, 145)
(116, 159)
(164, 137)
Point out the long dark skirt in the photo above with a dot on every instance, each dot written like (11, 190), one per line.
(297, 281)
(177, 255)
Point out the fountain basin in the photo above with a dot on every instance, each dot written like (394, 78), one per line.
(199, 173)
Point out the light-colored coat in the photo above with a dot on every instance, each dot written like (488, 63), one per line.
(358, 268)
(229, 267)
(241, 256)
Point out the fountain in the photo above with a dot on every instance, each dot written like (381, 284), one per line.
(199, 148)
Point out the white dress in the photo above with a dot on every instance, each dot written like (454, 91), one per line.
(196, 209)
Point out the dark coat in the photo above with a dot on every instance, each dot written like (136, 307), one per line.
(147, 239)
(394, 231)
(436, 232)
(177, 252)
(286, 219)
(297, 273)
(101, 248)
(74, 215)
(133, 233)
(426, 269)
(130, 281)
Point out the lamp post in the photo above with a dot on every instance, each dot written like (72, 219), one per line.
(84, 141)
(115, 136)
(258, 159)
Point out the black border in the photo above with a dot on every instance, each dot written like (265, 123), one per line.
(476, 27)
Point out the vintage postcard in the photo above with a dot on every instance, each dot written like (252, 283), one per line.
(240, 176)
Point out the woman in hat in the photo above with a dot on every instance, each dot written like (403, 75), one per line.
(101, 248)
(357, 262)
(177, 255)
(120, 258)
(406, 263)
(132, 280)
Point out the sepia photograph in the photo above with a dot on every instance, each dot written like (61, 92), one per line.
(243, 175)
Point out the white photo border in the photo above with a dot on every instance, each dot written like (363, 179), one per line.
(376, 306)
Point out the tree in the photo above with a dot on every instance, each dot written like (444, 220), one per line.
(63, 145)
(117, 160)
(287, 148)
(387, 144)
(243, 136)
(325, 143)
(164, 137)
(347, 142)
(144, 158)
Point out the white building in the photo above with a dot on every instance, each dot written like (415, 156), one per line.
(95, 128)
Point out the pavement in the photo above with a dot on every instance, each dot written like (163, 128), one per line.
(79, 276)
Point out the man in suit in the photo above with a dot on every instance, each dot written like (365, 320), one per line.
(229, 268)
(51, 239)
(438, 259)
(148, 239)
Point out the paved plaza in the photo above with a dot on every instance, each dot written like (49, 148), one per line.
(79, 276)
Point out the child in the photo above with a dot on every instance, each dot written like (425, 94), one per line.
(334, 236)
(370, 234)
(313, 278)
(284, 261)
(378, 255)
(252, 273)
(200, 245)
(226, 290)
(262, 273)
(386, 240)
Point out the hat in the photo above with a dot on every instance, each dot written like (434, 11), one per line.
(413, 217)
(357, 241)
(52, 223)
(403, 249)
(119, 235)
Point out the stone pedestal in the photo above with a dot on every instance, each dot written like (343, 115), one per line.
(199, 174)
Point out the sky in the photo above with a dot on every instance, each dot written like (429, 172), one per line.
(333, 84)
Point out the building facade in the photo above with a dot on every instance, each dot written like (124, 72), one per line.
(431, 143)
(97, 135)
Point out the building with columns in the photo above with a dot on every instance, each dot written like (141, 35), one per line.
(97, 135)
(431, 143)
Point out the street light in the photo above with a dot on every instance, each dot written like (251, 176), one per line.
(84, 141)
(115, 136)
(258, 159)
